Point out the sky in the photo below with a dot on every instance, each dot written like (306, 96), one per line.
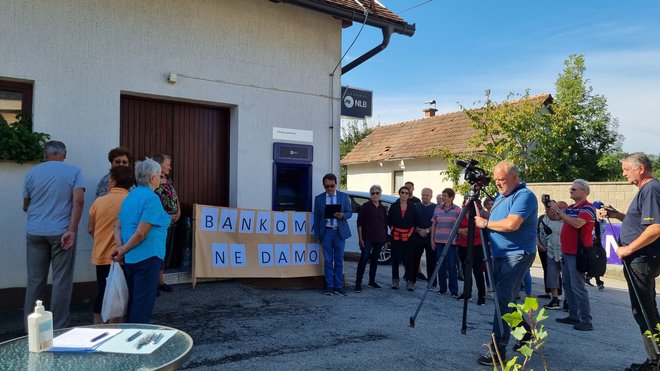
(462, 48)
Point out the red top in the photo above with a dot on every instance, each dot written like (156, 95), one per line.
(569, 234)
(462, 238)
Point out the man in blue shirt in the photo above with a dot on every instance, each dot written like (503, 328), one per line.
(53, 198)
(512, 227)
(332, 233)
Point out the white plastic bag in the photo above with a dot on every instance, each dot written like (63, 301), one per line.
(115, 298)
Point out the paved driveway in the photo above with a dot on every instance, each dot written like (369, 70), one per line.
(236, 327)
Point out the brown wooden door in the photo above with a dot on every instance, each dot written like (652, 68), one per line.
(197, 138)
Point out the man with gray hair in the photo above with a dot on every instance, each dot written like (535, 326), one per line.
(640, 248)
(53, 198)
(579, 222)
(372, 235)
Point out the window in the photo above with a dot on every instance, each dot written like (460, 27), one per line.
(15, 99)
(398, 181)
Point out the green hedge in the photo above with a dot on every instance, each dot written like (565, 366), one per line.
(19, 143)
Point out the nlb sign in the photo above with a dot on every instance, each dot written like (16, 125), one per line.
(356, 103)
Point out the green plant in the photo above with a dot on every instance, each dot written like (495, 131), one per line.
(19, 143)
(525, 312)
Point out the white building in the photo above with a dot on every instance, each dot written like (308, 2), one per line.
(206, 81)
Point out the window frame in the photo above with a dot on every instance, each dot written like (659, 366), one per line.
(26, 91)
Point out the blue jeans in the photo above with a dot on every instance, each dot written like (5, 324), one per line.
(448, 264)
(370, 253)
(508, 272)
(574, 291)
(142, 280)
(333, 259)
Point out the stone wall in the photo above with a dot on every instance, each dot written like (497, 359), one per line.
(617, 194)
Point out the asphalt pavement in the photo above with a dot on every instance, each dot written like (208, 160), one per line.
(237, 327)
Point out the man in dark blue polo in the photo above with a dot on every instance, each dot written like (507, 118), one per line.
(331, 232)
(372, 235)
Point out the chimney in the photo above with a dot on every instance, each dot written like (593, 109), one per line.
(429, 112)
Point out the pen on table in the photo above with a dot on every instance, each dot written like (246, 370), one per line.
(100, 337)
(134, 336)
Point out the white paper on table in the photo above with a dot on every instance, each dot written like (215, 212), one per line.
(79, 339)
(118, 344)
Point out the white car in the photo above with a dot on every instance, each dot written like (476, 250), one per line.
(357, 199)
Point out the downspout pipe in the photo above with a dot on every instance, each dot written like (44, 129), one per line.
(388, 28)
(387, 34)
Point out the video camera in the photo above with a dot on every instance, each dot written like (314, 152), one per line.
(474, 175)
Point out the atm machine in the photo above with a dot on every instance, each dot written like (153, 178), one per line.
(292, 176)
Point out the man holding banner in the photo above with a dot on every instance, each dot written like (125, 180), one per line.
(331, 210)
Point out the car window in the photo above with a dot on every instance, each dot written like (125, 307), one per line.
(357, 201)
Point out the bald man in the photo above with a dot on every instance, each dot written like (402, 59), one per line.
(512, 235)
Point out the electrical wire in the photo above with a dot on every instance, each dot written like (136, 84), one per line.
(366, 15)
(414, 6)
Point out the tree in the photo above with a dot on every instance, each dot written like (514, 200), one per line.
(582, 125)
(572, 137)
(351, 134)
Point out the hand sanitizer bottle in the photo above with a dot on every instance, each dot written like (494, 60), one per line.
(40, 329)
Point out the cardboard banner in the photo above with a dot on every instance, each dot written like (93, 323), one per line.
(245, 243)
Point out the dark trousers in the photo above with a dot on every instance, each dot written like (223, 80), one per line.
(102, 272)
(424, 245)
(643, 271)
(142, 280)
(169, 246)
(400, 250)
(543, 257)
(477, 260)
(370, 253)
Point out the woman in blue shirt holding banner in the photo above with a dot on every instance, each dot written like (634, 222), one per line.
(140, 233)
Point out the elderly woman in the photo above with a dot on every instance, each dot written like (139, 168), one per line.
(170, 202)
(402, 219)
(118, 157)
(140, 233)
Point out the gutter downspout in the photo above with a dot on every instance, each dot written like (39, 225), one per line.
(387, 27)
(387, 34)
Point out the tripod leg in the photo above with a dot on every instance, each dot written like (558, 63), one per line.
(467, 272)
(441, 259)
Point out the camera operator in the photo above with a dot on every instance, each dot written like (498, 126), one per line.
(549, 241)
(640, 247)
(579, 221)
(512, 226)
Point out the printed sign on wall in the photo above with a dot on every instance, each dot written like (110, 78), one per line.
(242, 243)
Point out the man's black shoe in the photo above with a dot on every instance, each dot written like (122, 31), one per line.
(421, 277)
(553, 304)
(374, 285)
(488, 360)
(358, 287)
(583, 326)
(481, 301)
(462, 297)
(568, 320)
(647, 365)
(329, 292)
(165, 287)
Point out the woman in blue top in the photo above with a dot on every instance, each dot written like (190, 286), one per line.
(140, 233)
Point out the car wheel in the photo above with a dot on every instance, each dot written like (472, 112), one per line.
(385, 256)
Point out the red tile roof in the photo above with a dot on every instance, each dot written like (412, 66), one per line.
(418, 138)
(375, 8)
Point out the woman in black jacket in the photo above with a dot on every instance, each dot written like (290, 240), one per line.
(402, 219)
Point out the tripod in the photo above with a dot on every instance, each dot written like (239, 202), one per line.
(469, 209)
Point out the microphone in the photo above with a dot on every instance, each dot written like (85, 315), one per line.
(601, 205)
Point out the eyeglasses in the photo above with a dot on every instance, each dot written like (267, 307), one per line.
(162, 176)
(120, 162)
(404, 193)
(375, 193)
(329, 186)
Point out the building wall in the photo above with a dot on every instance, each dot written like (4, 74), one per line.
(270, 63)
(425, 172)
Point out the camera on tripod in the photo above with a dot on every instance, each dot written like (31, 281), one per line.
(474, 175)
(545, 199)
